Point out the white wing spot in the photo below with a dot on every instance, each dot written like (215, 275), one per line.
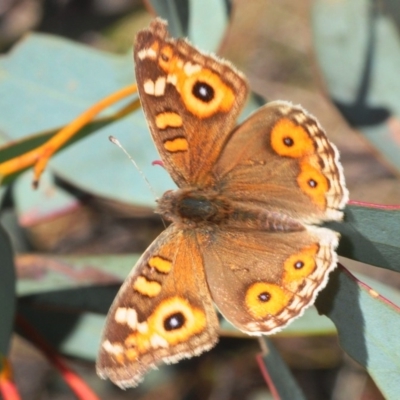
(120, 315)
(172, 79)
(112, 348)
(131, 318)
(159, 87)
(148, 87)
(158, 341)
(147, 53)
(142, 327)
(191, 69)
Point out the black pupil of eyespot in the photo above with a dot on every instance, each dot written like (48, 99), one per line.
(164, 57)
(312, 183)
(288, 141)
(174, 321)
(203, 91)
(264, 296)
(299, 264)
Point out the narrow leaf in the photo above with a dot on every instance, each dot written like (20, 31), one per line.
(278, 376)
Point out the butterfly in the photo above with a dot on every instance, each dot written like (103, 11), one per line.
(244, 231)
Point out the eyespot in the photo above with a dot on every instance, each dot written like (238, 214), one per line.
(263, 299)
(313, 183)
(174, 321)
(203, 91)
(300, 265)
(166, 59)
(205, 94)
(290, 140)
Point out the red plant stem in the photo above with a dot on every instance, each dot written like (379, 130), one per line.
(77, 385)
(369, 289)
(374, 205)
(267, 377)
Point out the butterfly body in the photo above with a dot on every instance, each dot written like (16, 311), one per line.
(244, 228)
(209, 210)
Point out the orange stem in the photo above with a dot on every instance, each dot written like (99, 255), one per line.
(8, 389)
(40, 156)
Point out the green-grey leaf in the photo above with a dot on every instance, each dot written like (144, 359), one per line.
(371, 235)
(358, 49)
(176, 12)
(279, 375)
(366, 325)
(203, 22)
(63, 80)
(68, 272)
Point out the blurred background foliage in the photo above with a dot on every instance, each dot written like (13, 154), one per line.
(78, 235)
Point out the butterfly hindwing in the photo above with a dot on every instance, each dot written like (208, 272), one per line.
(163, 312)
(281, 160)
(260, 281)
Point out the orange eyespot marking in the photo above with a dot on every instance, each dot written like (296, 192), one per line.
(145, 287)
(313, 183)
(177, 144)
(166, 60)
(300, 265)
(168, 120)
(172, 322)
(204, 93)
(290, 140)
(263, 299)
(175, 320)
(160, 264)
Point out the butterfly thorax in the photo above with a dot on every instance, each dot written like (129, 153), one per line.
(194, 207)
(199, 208)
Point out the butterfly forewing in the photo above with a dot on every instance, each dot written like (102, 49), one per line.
(191, 102)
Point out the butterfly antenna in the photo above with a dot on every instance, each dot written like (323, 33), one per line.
(116, 142)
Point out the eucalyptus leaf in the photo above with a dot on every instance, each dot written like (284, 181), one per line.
(366, 323)
(371, 235)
